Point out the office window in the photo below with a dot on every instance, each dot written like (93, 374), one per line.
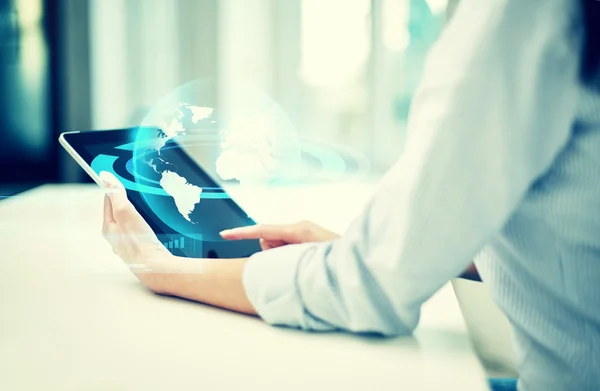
(404, 30)
(358, 66)
(143, 49)
(335, 46)
(343, 70)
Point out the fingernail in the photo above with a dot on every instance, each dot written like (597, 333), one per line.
(109, 190)
(105, 179)
(225, 232)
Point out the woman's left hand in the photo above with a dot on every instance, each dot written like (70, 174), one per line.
(217, 282)
(130, 236)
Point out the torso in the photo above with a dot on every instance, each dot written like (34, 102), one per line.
(543, 268)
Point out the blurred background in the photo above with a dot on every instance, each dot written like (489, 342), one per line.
(343, 70)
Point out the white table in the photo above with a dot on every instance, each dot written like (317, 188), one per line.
(74, 318)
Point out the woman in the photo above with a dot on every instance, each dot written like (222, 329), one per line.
(502, 165)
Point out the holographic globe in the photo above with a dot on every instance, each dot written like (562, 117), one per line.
(243, 138)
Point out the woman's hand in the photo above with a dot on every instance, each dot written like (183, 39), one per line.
(130, 236)
(213, 281)
(272, 236)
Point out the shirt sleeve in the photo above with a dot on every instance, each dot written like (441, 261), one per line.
(495, 107)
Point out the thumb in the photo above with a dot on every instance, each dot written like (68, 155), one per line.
(116, 192)
(110, 181)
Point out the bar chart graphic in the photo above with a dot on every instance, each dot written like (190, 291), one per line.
(183, 245)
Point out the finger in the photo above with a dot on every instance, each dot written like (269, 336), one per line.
(108, 219)
(110, 181)
(264, 245)
(121, 207)
(261, 231)
(269, 244)
(251, 232)
(108, 211)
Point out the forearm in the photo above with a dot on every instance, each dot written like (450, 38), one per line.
(216, 282)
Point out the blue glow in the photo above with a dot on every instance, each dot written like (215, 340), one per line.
(126, 147)
(105, 163)
(130, 169)
(141, 145)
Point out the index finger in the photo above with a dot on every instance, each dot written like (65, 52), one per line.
(259, 231)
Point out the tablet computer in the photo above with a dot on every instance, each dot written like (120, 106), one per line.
(181, 202)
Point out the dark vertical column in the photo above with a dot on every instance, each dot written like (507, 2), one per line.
(53, 25)
(25, 143)
(71, 81)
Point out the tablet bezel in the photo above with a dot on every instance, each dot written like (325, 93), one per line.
(74, 143)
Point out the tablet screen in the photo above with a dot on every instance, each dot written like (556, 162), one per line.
(184, 206)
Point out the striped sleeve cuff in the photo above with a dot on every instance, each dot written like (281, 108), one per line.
(270, 282)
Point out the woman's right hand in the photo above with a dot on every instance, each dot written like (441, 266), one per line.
(272, 236)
